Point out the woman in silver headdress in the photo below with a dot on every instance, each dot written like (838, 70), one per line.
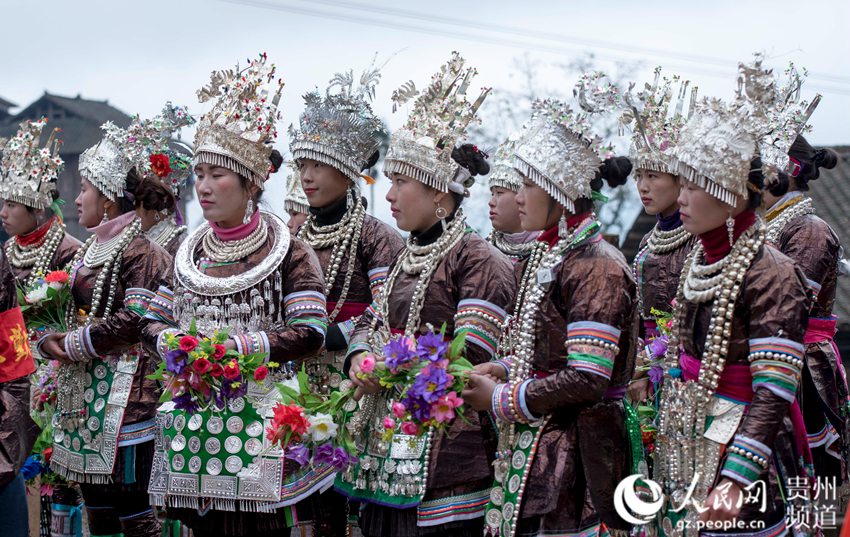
(104, 425)
(243, 273)
(338, 139)
(567, 352)
(446, 274)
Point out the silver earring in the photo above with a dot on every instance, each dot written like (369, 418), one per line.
(730, 228)
(156, 216)
(249, 212)
(105, 218)
(562, 227)
(349, 199)
(441, 213)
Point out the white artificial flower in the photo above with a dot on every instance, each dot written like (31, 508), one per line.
(322, 427)
(37, 295)
(292, 383)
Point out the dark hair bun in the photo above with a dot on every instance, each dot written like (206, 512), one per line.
(277, 161)
(372, 160)
(152, 195)
(826, 158)
(614, 171)
(471, 158)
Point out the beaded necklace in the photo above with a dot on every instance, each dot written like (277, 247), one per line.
(344, 237)
(164, 232)
(37, 257)
(778, 218)
(659, 242)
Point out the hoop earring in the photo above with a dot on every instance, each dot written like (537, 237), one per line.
(730, 228)
(249, 212)
(441, 213)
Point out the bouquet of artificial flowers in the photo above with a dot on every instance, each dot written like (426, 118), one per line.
(428, 374)
(200, 374)
(45, 300)
(312, 428)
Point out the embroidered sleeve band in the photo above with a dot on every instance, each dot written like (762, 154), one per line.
(482, 322)
(307, 308)
(746, 460)
(138, 300)
(776, 364)
(377, 277)
(161, 307)
(592, 347)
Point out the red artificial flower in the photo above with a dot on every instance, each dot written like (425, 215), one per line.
(216, 370)
(56, 276)
(290, 417)
(201, 365)
(219, 351)
(47, 454)
(231, 370)
(160, 165)
(261, 373)
(188, 343)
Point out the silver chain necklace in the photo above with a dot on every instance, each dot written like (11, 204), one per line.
(221, 251)
(778, 223)
(344, 237)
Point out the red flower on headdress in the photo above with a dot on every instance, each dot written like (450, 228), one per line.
(160, 165)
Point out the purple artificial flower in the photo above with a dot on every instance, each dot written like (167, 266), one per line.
(230, 392)
(657, 348)
(431, 346)
(175, 361)
(341, 459)
(186, 403)
(418, 407)
(430, 384)
(656, 374)
(324, 454)
(398, 352)
(298, 453)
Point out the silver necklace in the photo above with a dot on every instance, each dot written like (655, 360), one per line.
(36, 257)
(344, 237)
(221, 251)
(510, 249)
(778, 223)
(162, 233)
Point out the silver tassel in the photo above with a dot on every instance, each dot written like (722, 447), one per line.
(730, 228)
(562, 227)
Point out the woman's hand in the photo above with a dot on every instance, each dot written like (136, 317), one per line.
(639, 390)
(724, 502)
(491, 369)
(364, 383)
(53, 346)
(479, 391)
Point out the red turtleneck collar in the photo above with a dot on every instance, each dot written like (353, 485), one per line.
(551, 235)
(236, 233)
(35, 237)
(716, 242)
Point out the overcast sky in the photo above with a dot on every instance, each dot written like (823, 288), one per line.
(139, 55)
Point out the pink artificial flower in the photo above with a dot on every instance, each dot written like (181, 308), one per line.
(444, 409)
(368, 364)
(409, 427)
(399, 410)
(389, 423)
